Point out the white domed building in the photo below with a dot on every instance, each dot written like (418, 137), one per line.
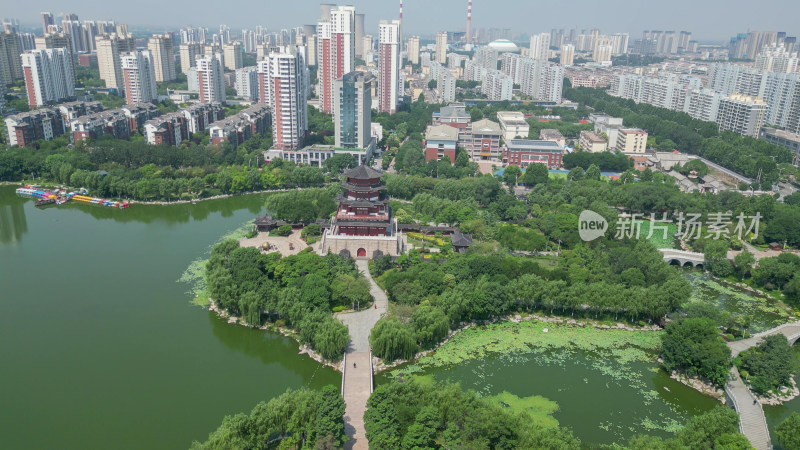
(504, 46)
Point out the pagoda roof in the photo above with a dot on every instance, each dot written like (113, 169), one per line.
(363, 172)
(461, 240)
(357, 188)
(362, 202)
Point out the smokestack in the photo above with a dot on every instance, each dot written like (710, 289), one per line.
(469, 21)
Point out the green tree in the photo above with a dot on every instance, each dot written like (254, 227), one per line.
(769, 365)
(693, 346)
(593, 173)
(788, 431)
(511, 174)
(331, 339)
(391, 340)
(535, 174)
(743, 262)
(575, 174)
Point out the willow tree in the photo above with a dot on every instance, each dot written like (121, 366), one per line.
(392, 340)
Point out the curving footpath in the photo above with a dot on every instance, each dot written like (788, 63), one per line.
(357, 380)
(752, 422)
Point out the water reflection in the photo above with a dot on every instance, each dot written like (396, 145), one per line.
(13, 223)
(271, 348)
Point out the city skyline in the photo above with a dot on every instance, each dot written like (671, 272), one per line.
(517, 15)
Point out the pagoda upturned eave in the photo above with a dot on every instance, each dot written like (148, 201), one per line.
(357, 188)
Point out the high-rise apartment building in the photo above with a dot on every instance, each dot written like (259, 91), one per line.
(160, 46)
(343, 44)
(47, 21)
(210, 78)
(138, 73)
(109, 50)
(567, 56)
(619, 43)
(540, 47)
(541, 80)
(10, 63)
(369, 47)
(497, 85)
(48, 76)
(602, 53)
(56, 40)
(247, 82)
(233, 55)
(412, 50)
(775, 58)
(324, 77)
(188, 55)
(684, 39)
(335, 50)
(446, 85)
(72, 26)
(388, 65)
(781, 92)
(353, 110)
(282, 85)
(741, 114)
(486, 57)
(441, 47)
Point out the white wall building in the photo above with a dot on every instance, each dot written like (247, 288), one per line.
(109, 49)
(567, 55)
(139, 76)
(210, 79)
(497, 85)
(233, 55)
(741, 114)
(284, 78)
(412, 50)
(160, 45)
(247, 82)
(48, 76)
(441, 47)
(540, 47)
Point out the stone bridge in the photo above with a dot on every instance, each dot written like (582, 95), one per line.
(682, 257)
(752, 422)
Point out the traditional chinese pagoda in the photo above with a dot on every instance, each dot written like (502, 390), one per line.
(363, 226)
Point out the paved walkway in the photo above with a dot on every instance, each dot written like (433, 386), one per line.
(752, 422)
(279, 243)
(357, 381)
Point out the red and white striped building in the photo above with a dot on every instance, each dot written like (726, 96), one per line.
(389, 65)
(336, 48)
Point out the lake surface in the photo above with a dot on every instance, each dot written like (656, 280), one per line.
(100, 346)
(601, 400)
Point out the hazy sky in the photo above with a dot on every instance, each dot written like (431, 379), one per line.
(707, 19)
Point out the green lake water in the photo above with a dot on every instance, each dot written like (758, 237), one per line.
(601, 402)
(100, 346)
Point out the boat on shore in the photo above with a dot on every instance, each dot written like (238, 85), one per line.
(47, 198)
